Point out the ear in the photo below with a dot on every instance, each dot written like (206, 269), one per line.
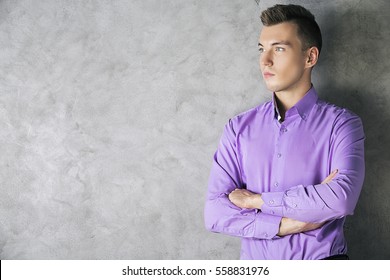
(312, 57)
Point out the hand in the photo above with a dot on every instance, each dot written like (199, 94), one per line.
(246, 199)
(330, 177)
(290, 226)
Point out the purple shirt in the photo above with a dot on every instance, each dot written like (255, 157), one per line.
(286, 162)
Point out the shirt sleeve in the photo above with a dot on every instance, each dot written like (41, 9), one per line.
(220, 214)
(336, 199)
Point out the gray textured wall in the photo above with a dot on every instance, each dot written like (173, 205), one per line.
(110, 112)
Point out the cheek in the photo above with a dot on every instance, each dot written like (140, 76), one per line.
(283, 66)
(290, 67)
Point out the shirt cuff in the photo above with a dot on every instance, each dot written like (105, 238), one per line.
(273, 203)
(266, 226)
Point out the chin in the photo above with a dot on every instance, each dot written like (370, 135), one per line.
(272, 88)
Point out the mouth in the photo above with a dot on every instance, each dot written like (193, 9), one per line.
(267, 75)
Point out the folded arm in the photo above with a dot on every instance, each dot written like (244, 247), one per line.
(227, 212)
(249, 200)
(220, 214)
(300, 208)
(330, 200)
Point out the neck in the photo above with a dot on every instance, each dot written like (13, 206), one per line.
(287, 99)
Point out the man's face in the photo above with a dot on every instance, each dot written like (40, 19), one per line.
(282, 61)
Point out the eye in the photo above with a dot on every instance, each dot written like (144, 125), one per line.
(279, 49)
(261, 49)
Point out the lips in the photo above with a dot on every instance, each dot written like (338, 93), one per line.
(268, 75)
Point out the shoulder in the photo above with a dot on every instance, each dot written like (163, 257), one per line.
(252, 116)
(333, 111)
(340, 118)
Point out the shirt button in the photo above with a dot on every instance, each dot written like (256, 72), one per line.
(271, 202)
(276, 184)
(295, 205)
(279, 155)
(265, 235)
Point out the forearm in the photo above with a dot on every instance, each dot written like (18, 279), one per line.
(248, 200)
(222, 216)
(314, 203)
(289, 226)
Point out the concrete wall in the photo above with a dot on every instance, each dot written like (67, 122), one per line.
(110, 112)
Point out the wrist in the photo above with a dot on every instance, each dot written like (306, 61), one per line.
(257, 201)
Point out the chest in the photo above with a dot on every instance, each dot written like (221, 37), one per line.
(278, 156)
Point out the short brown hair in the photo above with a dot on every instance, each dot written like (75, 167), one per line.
(308, 29)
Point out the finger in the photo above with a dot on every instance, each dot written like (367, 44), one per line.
(330, 177)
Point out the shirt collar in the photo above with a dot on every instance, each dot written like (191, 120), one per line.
(302, 107)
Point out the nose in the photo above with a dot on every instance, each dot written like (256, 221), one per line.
(266, 59)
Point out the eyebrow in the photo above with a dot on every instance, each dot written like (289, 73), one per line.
(287, 43)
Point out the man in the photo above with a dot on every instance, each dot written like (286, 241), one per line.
(288, 172)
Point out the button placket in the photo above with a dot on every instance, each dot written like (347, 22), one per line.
(282, 130)
(277, 155)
